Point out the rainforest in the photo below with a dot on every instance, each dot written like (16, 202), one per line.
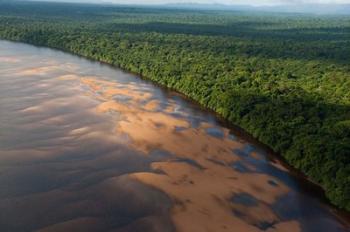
(283, 78)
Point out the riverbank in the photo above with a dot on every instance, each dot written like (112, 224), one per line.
(298, 106)
(245, 133)
(95, 133)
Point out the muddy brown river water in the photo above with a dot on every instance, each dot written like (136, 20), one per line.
(88, 147)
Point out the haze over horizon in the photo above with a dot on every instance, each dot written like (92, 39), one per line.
(223, 2)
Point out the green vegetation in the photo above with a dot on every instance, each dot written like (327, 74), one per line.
(283, 78)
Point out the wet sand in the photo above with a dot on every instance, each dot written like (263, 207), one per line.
(86, 147)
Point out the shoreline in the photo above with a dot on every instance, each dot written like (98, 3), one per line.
(305, 181)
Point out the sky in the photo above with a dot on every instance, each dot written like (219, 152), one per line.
(226, 2)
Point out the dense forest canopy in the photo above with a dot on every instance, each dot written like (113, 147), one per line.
(284, 78)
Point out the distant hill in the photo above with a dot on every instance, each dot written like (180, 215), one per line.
(290, 8)
(313, 8)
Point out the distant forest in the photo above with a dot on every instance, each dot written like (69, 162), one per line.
(284, 78)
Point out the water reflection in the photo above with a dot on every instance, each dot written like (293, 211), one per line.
(84, 147)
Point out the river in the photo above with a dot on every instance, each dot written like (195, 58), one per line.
(88, 147)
